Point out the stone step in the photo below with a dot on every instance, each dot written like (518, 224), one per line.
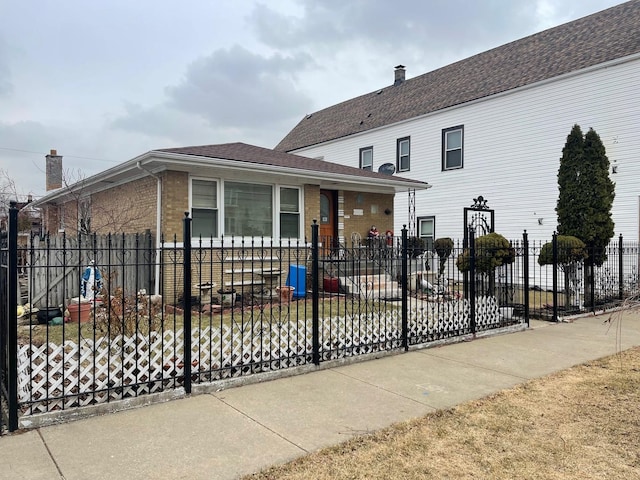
(371, 286)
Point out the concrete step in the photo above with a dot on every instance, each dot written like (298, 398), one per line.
(371, 286)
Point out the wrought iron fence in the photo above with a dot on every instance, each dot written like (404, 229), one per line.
(147, 317)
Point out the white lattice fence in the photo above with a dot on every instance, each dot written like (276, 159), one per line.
(53, 377)
(359, 334)
(488, 314)
(440, 319)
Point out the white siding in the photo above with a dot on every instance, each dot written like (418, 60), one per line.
(512, 146)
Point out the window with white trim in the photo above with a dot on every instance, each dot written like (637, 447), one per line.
(289, 212)
(204, 208)
(366, 158)
(452, 148)
(427, 231)
(244, 209)
(403, 146)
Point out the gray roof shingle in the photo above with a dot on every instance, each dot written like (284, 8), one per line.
(604, 36)
(242, 152)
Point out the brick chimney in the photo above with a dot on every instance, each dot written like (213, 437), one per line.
(54, 170)
(398, 75)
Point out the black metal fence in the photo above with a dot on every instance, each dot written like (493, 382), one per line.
(140, 319)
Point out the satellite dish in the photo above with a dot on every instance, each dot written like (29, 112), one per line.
(387, 168)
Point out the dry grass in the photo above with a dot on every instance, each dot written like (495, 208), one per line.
(582, 423)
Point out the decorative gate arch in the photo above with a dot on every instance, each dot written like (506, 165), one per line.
(479, 217)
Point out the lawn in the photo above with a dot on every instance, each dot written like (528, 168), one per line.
(581, 423)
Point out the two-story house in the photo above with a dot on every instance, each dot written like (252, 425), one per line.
(495, 124)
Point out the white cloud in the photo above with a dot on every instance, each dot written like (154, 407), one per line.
(236, 87)
(109, 81)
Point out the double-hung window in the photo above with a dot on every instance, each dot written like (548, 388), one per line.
(452, 147)
(366, 158)
(204, 208)
(403, 146)
(427, 231)
(289, 212)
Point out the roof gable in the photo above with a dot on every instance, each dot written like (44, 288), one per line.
(588, 41)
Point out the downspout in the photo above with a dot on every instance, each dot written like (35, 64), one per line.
(158, 219)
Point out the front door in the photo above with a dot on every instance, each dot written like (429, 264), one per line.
(328, 218)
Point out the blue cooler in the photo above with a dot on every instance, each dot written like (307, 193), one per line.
(297, 279)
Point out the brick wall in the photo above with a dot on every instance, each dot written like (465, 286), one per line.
(175, 201)
(311, 208)
(51, 219)
(373, 206)
(128, 208)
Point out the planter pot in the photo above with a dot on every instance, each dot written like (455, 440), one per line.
(331, 284)
(79, 312)
(227, 297)
(285, 293)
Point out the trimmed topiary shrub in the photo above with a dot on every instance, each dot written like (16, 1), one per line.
(443, 248)
(570, 250)
(416, 246)
(492, 251)
(571, 253)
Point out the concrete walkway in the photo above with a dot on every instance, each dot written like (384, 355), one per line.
(242, 430)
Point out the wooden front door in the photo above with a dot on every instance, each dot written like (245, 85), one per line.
(328, 218)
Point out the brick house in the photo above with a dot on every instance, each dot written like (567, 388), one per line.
(231, 191)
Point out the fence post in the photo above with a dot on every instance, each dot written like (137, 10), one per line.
(404, 288)
(12, 322)
(315, 294)
(554, 245)
(472, 278)
(620, 269)
(186, 266)
(525, 270)
(592, 285)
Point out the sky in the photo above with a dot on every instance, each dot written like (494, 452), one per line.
(104, 82)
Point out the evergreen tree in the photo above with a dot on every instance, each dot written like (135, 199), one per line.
(600, 195)
(586, 193)
(570, 207)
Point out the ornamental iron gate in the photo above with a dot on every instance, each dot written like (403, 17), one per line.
(478, 217)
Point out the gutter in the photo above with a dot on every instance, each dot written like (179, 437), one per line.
(158, 220)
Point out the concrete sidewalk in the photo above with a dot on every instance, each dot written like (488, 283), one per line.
(242, 430)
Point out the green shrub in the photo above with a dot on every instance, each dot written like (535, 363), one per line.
(492, 251)
(443, 248)
(570, 249)
(416, 246)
